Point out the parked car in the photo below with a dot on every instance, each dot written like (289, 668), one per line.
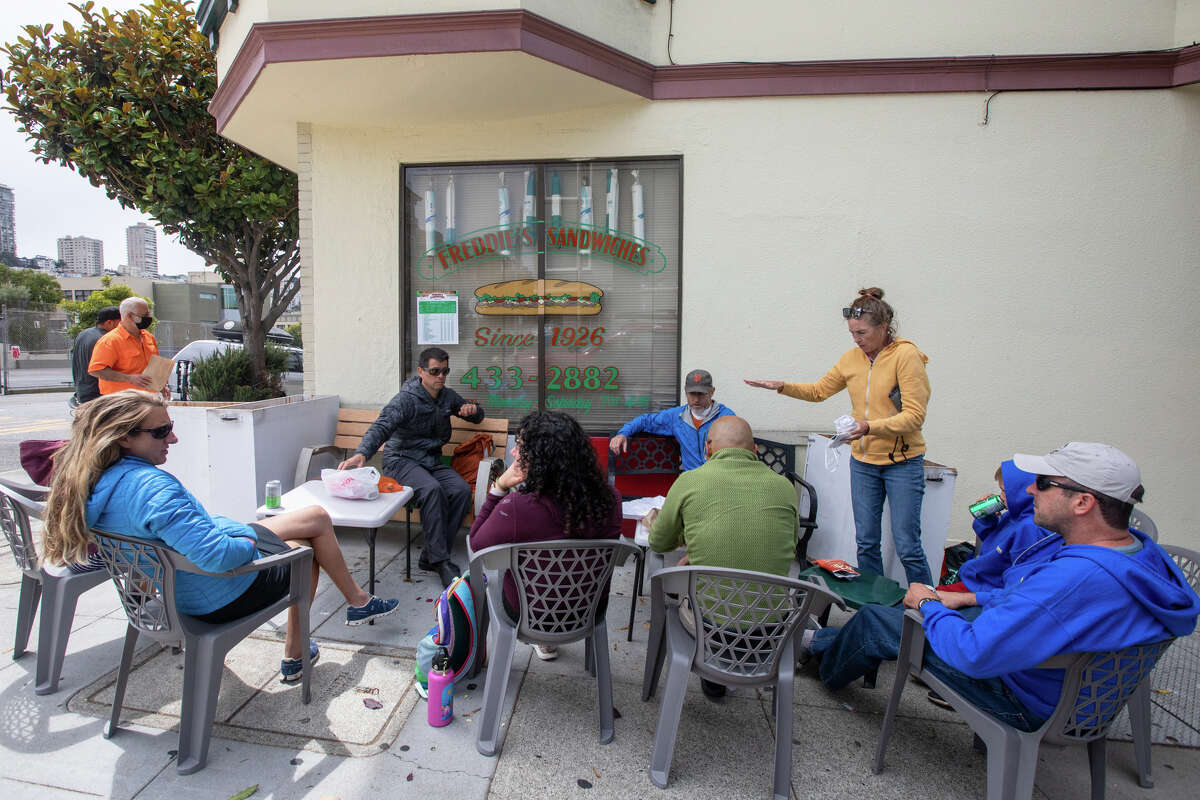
(293, 379)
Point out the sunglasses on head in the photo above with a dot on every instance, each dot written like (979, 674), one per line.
(161, 432)
(853, 313)
(437, 372)
(1044, 482)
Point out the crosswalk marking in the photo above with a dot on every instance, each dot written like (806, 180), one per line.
(34, 426)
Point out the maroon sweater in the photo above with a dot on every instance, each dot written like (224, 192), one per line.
(521, 517)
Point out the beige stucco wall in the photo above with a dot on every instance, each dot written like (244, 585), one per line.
(1046, 262)
(799, 30)
(1187, 23)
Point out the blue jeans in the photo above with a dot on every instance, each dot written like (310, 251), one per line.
(903, 485)
(873, 635)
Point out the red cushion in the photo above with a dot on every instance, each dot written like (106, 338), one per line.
(651, 485)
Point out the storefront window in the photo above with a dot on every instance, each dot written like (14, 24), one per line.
(551, 285)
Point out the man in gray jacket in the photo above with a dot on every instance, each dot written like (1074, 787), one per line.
(415, 424)
(86, 387)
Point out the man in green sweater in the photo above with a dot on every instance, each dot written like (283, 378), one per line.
(733, 511)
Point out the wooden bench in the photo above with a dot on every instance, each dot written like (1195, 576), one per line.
(352, 425)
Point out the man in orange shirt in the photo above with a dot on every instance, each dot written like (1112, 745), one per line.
(120, 358)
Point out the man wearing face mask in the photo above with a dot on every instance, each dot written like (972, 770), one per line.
(120, 358)
(688, 423)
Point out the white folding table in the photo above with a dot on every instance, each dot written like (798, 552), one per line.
(367, 514)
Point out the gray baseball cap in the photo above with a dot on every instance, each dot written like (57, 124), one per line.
(1100, 467)
(698, 380)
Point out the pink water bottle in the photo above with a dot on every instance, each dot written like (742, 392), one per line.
(441, 690)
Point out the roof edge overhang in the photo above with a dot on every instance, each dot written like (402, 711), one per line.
(523, 31)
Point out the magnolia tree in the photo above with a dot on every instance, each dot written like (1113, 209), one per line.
(122, 98)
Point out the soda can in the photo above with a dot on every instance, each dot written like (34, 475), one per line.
(992, 504)
(272, 494)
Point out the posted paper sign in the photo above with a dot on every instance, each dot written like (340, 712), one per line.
(437, 318)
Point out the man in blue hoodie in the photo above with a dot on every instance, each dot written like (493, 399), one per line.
(1108, 587)
(1010, 536)
(688, 423)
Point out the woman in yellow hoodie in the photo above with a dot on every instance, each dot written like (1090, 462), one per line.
(889, 391)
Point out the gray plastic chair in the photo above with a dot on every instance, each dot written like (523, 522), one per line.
(1096, 687)
(1140, 520)
(1139, 704)
(747, 630)
(58, 594)
(144, 572)
(561, 585)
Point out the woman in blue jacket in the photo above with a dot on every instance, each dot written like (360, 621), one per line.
(107, 478)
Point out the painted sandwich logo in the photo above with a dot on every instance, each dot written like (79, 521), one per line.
(499, 241)
(532, 297)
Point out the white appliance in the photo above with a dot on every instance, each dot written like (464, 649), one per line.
(834, 536)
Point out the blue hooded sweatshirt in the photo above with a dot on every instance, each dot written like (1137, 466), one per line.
(135, 498)
(1008, 538)
(677, 422)
(1085, 598)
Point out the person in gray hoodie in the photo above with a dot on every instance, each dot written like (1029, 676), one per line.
(414, 425)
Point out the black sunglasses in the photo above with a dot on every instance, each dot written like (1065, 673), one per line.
(161, 432)
(853, 313)
(437, 372)
(1044, 482)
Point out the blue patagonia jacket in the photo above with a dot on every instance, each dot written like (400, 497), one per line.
(677, 422)
(1084, 598)
(135, 498)
(1008, 538)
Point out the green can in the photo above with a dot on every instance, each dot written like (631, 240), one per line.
(272, 495)
(988, 506)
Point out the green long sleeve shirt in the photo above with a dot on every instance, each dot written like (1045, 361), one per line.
(734, 511)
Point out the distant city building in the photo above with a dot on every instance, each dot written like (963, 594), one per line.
(81, 255)
(141, 246)
(8, 226)
(43, 263)
(204, 276)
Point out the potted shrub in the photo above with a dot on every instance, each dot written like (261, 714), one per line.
(234, 436)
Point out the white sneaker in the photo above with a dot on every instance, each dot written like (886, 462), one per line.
(545, 652)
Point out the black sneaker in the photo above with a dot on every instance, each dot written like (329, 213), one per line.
(712, 690)
(448, 573)
(435, 566)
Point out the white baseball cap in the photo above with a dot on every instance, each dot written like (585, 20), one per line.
(1099, 467)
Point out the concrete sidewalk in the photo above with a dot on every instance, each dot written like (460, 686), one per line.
(337, 747)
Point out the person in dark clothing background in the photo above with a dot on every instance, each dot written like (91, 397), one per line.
(86, 387)
(415, 424)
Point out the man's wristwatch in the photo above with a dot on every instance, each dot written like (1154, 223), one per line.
(921, 605)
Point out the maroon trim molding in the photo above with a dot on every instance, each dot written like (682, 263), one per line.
(522, 31)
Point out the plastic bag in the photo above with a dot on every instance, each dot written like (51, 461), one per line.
(352, 484)
(843, 425)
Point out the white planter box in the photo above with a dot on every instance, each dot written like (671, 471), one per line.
(228, 451)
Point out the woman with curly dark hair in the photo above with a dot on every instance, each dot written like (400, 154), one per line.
(560, 493)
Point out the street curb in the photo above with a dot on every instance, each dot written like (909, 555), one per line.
(40, 390)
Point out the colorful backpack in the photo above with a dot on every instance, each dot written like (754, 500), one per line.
(456, 630)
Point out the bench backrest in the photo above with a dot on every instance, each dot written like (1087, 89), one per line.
(352, 423)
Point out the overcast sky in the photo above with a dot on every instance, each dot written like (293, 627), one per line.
(53, 201)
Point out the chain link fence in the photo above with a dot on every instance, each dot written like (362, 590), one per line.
(37, 351)
(172, 336)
